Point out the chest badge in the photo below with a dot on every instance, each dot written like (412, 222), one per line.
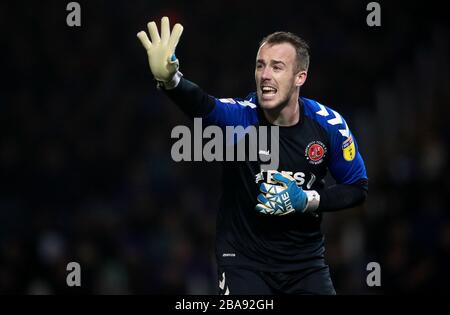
(315, 152)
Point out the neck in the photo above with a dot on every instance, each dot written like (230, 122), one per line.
(285, 115)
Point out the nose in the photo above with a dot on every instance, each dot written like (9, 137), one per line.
(265, 75)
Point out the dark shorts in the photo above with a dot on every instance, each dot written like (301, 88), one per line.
(241, 281)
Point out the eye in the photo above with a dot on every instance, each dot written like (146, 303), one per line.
(277, 68)
(259, 66)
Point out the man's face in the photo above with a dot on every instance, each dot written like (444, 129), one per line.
(276, 75)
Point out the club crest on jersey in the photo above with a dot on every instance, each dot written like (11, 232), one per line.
(315, 152)
(348, 149)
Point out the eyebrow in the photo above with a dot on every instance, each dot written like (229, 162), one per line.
(277, 61)
(271, 61)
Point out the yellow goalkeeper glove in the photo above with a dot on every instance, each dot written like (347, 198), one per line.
(161, 51)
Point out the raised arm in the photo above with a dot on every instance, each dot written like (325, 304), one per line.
(187, 95)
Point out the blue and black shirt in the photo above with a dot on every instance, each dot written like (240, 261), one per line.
(321, 141)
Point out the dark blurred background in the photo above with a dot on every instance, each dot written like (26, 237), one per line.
(85, 167)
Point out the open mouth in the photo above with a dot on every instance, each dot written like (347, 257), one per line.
(268, 91)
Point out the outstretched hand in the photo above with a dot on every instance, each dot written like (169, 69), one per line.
(161, 50)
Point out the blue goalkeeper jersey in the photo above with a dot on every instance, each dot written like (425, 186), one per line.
(321, 141)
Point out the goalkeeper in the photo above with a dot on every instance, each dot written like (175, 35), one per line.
(268, 238)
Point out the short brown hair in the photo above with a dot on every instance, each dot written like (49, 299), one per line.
(300, 45)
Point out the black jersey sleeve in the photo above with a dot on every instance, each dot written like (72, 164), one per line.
(342, 196)
(191, 99)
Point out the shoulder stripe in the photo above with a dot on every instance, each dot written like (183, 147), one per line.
(323, 111)
(246, 103)
(227, 100)
(345, 132)
(337, 120)
(233, 101)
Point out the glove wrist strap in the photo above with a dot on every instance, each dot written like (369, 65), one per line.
(313, 200)
(172, 83)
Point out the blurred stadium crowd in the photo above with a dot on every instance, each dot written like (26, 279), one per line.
(85, 166)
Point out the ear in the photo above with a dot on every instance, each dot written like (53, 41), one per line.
(300, 78)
